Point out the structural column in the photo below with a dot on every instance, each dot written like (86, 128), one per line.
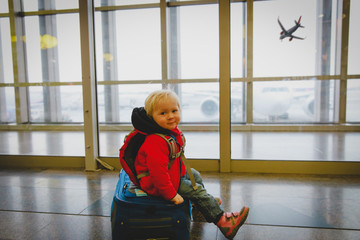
(225, 98)
(89, 84)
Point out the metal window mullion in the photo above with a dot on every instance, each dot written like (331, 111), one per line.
(249, 60)
(344, 60)
(164, 66)
(19, 62)
(175, 3)
(290, 78)
(3, 105)
(89, 84)
(225, 86)
(49, 12)
(127, 7)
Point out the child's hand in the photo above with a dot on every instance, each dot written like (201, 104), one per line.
(177, 199)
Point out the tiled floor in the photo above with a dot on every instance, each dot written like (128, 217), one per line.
(73, 204)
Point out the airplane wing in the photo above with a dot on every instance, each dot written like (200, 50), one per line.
(292, 36)
(282, 27)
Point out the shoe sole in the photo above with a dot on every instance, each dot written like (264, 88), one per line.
(244, 213)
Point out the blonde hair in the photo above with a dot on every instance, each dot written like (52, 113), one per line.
(157, 96)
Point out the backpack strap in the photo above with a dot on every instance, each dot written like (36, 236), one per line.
(173, 154)
(188, 169)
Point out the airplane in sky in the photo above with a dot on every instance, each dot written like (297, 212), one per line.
(289, 33)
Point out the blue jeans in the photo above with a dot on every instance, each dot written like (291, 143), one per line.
(206, 203)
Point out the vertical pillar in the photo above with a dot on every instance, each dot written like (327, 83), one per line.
(249, 61)
(89, 83)
(3, 105)
(344, 59)
(164, 66)
(225, 98)
(19, 61)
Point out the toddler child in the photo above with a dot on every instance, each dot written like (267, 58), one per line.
(161, 114)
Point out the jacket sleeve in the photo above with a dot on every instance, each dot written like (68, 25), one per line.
(157, 161)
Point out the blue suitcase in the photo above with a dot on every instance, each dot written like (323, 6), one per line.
(145, 217)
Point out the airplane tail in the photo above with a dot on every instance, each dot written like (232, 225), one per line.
(298, 22)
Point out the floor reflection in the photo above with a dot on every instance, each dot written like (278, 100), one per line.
(302, 146)
(72, 204)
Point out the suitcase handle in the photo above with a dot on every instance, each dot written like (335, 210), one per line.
(125, 187)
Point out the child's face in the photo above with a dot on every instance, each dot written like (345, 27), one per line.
(167, 113)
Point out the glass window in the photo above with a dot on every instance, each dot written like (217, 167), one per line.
(354, 39)
(314, 55)
(33, 5)
(69, 47)
(7, 106)
(353, 101)
(198, 41)
(71, 104)
(66, 107)
(294, 101)
(36, 98)
(125, 97)
(33, 50)
(238, 44)
(53, 48)
(119, 109)
(128, 45)
(4, 8)
(238, 102)
(6, 64)
(305, 146)
(110, 142)
(199, 102)
(238, 58)
(202, 144)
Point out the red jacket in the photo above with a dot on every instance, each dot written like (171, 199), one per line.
(153, 156)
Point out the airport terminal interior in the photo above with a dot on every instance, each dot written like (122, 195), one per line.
(270, 109)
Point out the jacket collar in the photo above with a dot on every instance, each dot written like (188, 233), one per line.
(143, 123)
